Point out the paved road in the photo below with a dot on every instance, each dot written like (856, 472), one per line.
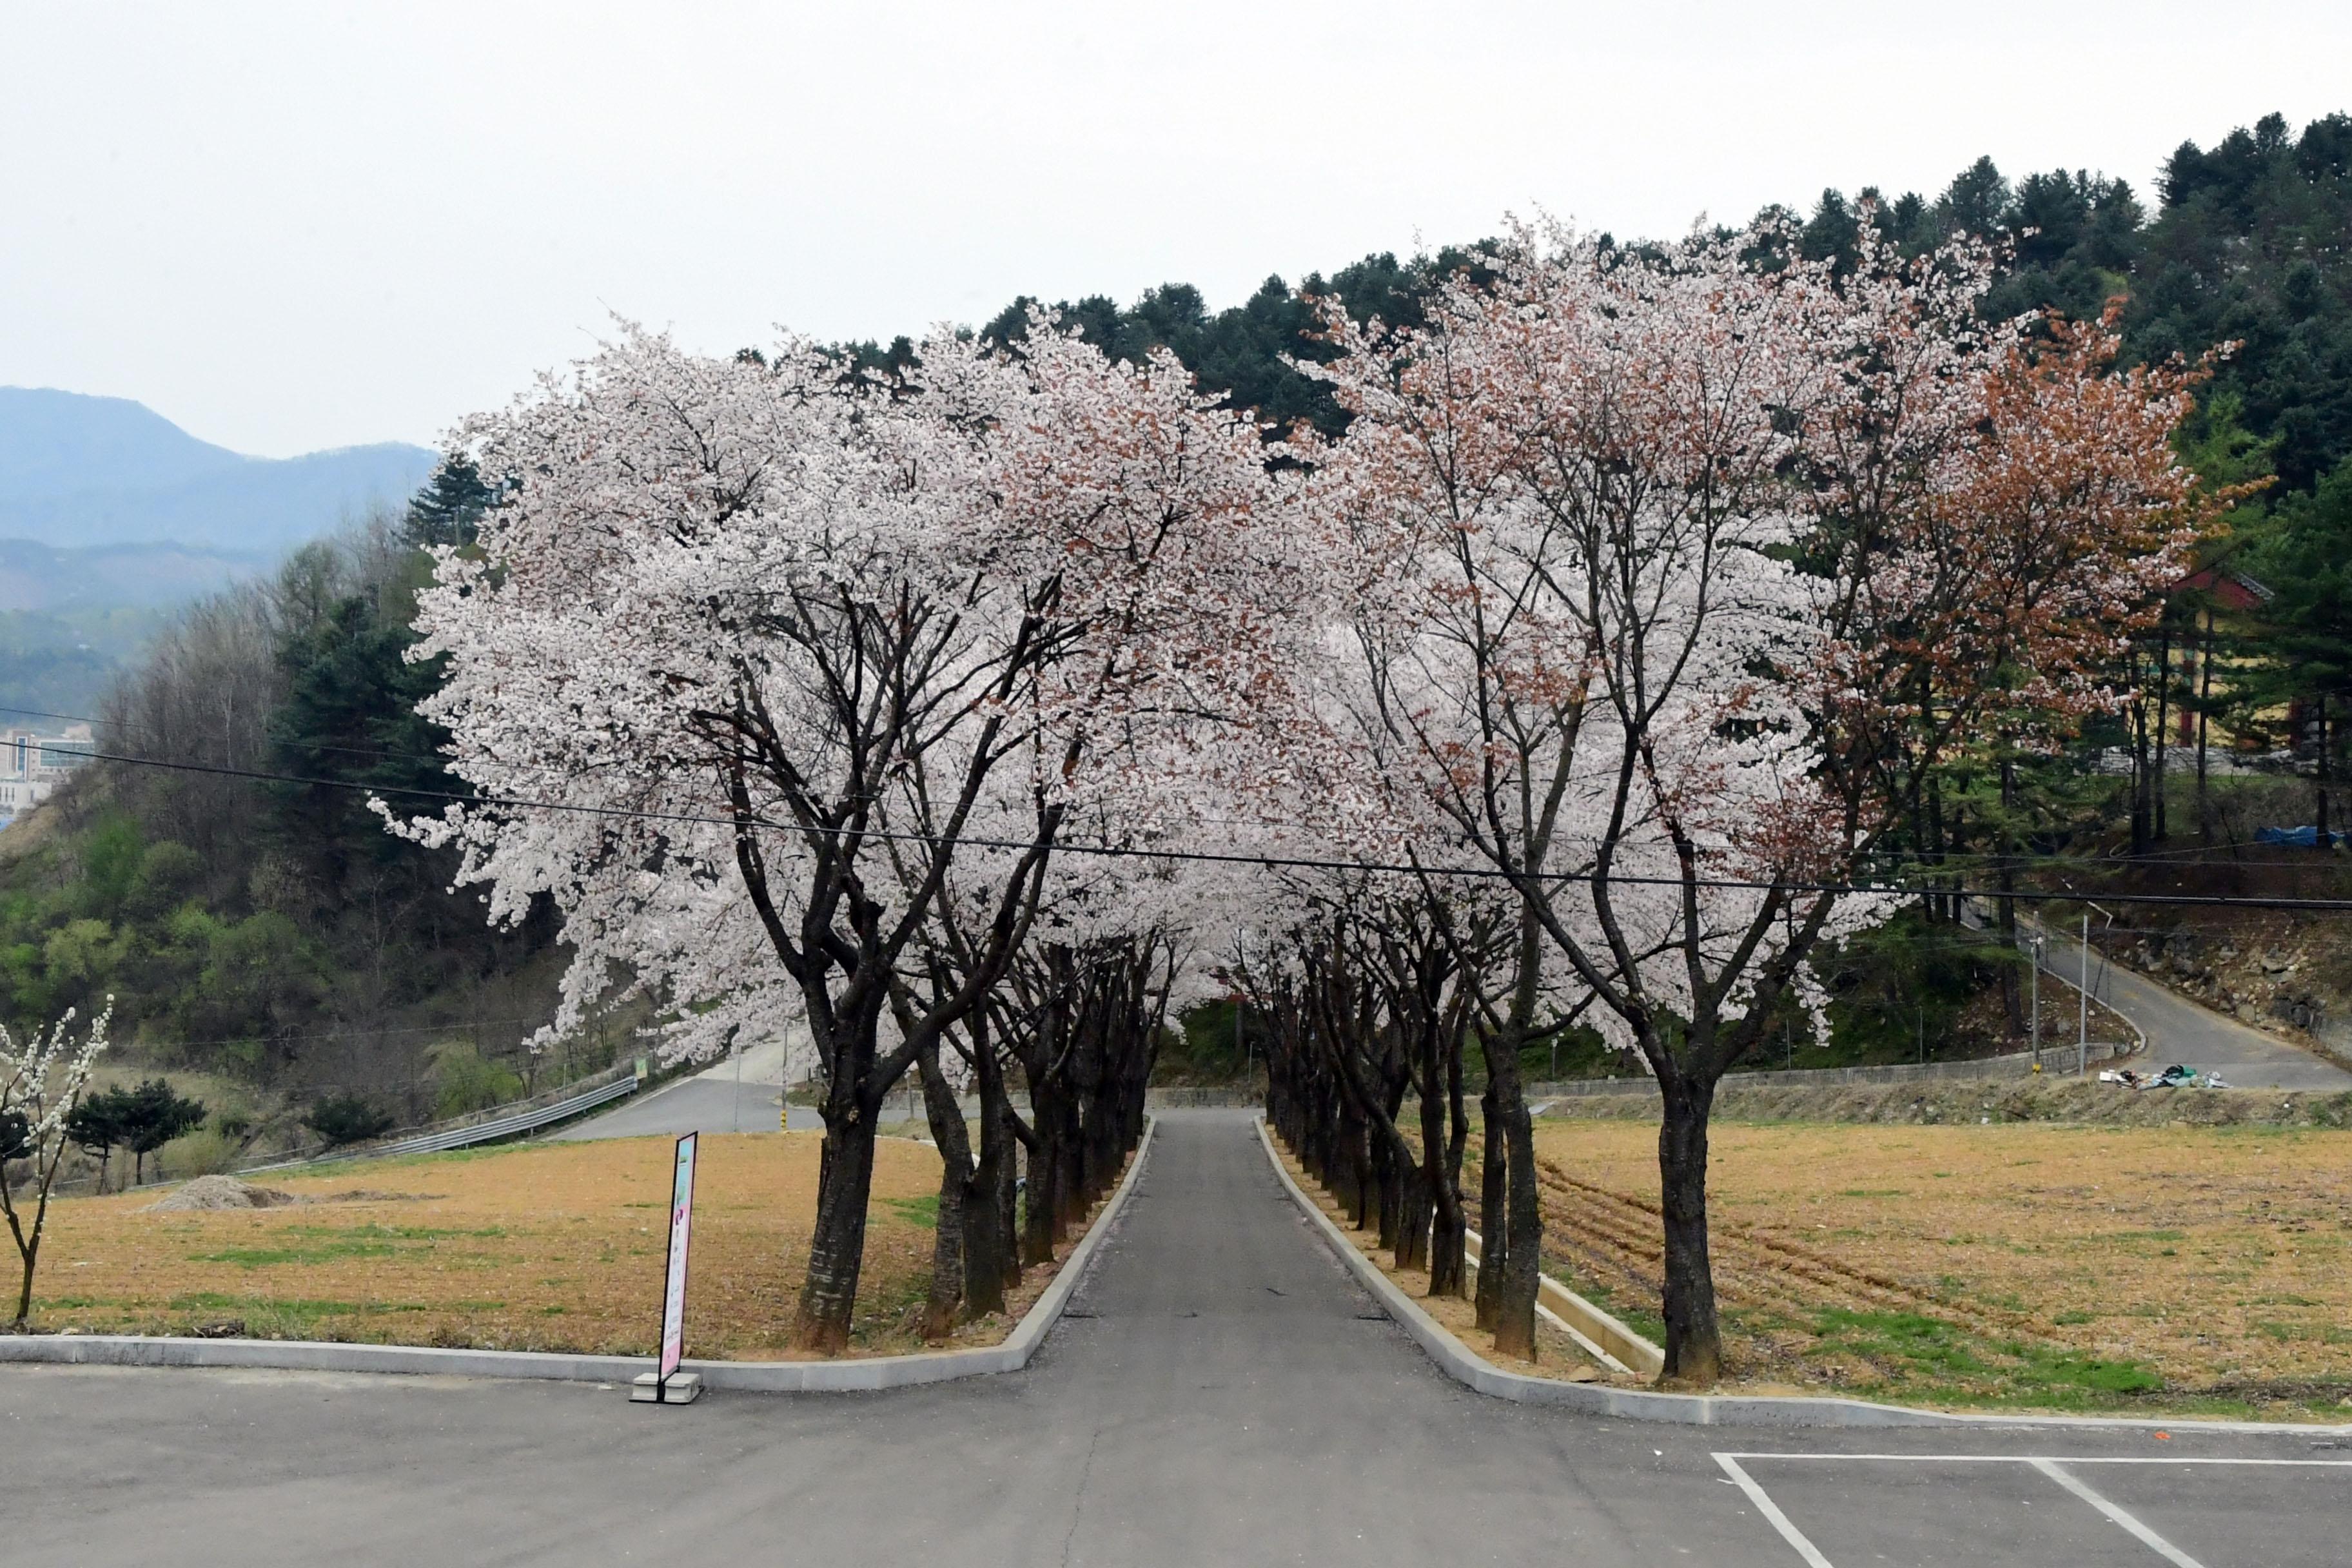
(703, 1104)
(1222, 1394)
(2179, 1030)
(729, 1096)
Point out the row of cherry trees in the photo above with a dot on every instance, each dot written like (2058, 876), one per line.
(962, 717)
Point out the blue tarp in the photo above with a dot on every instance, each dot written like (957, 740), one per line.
(2299, 837)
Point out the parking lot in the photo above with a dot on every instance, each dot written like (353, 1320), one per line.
(2087, 1510)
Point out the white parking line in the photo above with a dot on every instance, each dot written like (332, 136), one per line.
(2149, 1538)
(2049, 1465)
(1771, 1510)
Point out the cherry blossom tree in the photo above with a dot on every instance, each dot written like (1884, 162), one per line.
(777, 636)
(1670, 575)
(40, 1083)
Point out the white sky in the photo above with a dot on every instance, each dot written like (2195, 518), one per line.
(296, 225)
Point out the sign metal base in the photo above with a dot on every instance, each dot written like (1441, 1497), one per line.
(681, 1388)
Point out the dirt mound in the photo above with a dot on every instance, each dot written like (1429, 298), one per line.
(221, 1193)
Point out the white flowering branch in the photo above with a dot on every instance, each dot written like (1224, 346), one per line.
(40, 1083)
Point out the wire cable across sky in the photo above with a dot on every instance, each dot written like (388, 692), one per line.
(1242, 857)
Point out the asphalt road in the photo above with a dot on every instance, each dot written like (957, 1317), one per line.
(701, 1104)
(2178, 1030)
(1221, 1394)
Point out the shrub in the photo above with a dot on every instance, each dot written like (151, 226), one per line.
(207, 1151)
(348, 1118)
(469, 1082)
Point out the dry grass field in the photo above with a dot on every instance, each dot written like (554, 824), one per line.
(2182, 1268)
(553, 1247)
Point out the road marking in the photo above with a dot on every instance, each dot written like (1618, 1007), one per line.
(2040, 1460)
(2149, 1538)
(1771, 1510)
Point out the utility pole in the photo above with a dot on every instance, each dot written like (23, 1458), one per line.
(2037, 999)
(2082, 1005)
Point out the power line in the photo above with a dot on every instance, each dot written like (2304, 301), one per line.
(384, 753)
(1940, 861)
(1271, 862)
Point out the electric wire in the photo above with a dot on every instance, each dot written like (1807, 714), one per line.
(1941, 862)
(1244, 857)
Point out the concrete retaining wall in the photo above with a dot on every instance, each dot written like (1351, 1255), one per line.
(2054, 1060)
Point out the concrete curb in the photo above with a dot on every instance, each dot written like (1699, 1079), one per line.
(1474, 1371)
(746, 1376)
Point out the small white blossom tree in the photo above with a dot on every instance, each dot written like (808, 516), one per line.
(40, 1083)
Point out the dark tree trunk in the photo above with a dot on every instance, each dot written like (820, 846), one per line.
(837, 1249)
(2204, 704)
(2326, 771)
(946, 1118)
(1521, 1274)
(1493, 1200)
(1694, 1340)
(2012, 987)
(2140, 795)
(2163, 730)
(1044, 1167)
(28, 1253)
(1937, 907)
(1444, 1133)
(990, 1265)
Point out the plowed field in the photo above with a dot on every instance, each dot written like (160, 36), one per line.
(2086, 1266)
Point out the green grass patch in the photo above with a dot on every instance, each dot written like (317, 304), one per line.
(329, 1244)
(1924, 1358)
(923, 1211)
(269, 1257)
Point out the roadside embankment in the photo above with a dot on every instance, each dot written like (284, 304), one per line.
(2047, 1098)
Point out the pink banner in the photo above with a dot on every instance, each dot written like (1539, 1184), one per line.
(681, 1224)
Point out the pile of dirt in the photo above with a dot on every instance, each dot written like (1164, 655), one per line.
(221, 1193)
(1958, 1101)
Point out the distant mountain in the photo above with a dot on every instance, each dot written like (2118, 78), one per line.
(42, 578)
(79, 471)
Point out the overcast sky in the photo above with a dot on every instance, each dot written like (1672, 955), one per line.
(290, 226)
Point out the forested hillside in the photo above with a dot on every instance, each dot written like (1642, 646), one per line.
(271, 928)
(266, 929)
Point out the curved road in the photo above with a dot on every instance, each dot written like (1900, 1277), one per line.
(2179, 1030)
(1221, 1392)
(729, 1095)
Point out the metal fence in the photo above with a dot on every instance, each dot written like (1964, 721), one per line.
(515, 1124)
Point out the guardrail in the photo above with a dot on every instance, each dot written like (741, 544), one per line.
(516, 1125)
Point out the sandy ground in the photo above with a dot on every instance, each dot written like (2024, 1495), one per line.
(2075, 1265)
(550, 1246)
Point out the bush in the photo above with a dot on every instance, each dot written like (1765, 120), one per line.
(207, 1151)
(348, 1118)
(468, 1082)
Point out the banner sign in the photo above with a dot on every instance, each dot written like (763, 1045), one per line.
(681, 1222)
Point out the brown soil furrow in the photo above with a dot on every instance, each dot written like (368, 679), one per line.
(1753, 1268)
